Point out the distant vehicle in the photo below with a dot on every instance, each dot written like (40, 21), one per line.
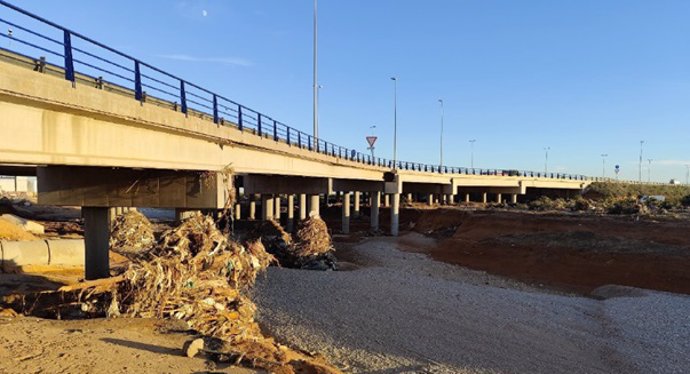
(648, 198)
(673, 181)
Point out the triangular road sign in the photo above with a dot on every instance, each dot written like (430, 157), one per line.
(371, 140)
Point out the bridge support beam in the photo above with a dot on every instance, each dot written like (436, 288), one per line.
(252, 207)
(96, 241)
(302, 207)
(395, 214)
(237, 211)
(314, 202)
(346, 213)
(355, 207)
(374, 215)
(290, 213)
(276, 206)
(267, 209)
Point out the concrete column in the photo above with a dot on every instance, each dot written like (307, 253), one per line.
(252, 207)
(356, 203)
(409, 198)
(386, 200)
(346, 213)
(395, 214)
(484, 200)
(375, 203)
(314, 202)
(302, 206)
(444, 199)
(267, 207)
(290, 212)
(430, 199)
(238, 211)
(96, 241)
(499, 198)
(467, 198)
(276, 205)
(451, 199)
(513, 198)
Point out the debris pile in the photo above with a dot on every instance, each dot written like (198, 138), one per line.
(314, 248)
(131, 235)
(195, 274)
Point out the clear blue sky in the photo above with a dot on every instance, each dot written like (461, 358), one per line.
(582, 77)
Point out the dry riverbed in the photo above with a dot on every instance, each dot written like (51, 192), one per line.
(400, 312)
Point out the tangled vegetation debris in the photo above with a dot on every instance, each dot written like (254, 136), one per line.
(131, 234)
(194, 274)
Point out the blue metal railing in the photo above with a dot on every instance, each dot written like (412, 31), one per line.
(80, 56)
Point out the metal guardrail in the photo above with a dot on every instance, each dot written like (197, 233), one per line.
(83, 59)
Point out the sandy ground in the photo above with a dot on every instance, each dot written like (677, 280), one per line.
(97, 346)
(568, 251)
(399, 312)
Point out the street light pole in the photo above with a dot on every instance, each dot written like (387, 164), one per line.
(649, 170)
(315, 78)
(441, 162)
(603, 167)
(472, 152)
(395, 122)
(640, 165)
(546, 160)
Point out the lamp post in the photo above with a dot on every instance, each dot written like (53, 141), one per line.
(472, 141)
(441, 140)
(649, 170)
(546, 160)
(315, 77)
(639, 177)
(395, 122)
(603, 162)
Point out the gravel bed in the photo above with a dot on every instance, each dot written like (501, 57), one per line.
(405, 313)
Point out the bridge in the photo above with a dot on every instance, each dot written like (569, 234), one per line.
(101, 129)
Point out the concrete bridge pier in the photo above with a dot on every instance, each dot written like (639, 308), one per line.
(314, 201)
(237, 211)
(267, 209)
(252, 207)
(356, 197)
(96, 241)
(409, 198)
(346, 213)
(395, 214)
(484, 197)
(513, 198)
(499, 198)
(386, 200)
(302, 207)
(374, 215)
(290, 212)
(467, 198)
(430, 199)
(276, 206)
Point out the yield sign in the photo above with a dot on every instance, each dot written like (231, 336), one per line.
(371, 140)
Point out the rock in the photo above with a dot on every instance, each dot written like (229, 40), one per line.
(191, 348)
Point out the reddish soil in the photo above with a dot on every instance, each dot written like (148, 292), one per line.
(576, 253)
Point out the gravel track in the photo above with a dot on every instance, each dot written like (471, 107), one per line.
(405, 313)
